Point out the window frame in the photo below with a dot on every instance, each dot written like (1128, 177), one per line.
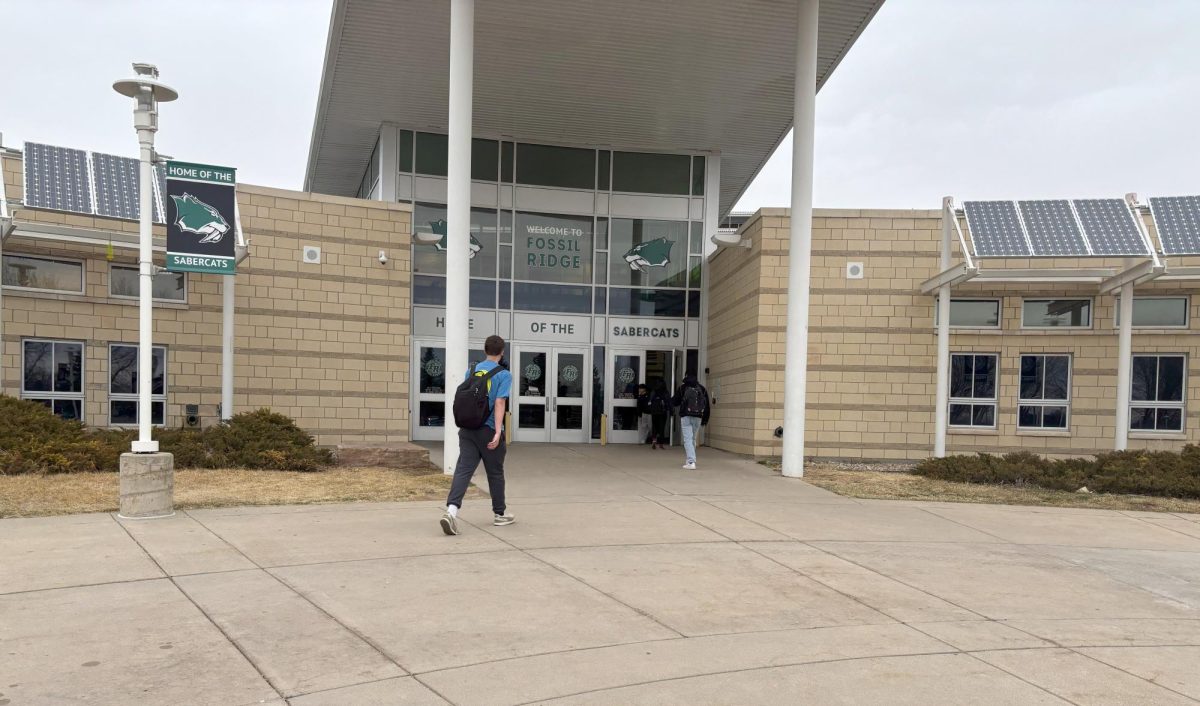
(52, 395)
(126, 297)
(1043, 401)
(1180, 405)
(133, 397)
(47, 258)
(999, 313)
(993, 401)
(1187, 312)
(1091, 322)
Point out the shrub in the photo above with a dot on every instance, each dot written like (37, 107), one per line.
(33, 440)
(1164, 473)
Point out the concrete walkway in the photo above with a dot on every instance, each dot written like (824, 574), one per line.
(625, 581)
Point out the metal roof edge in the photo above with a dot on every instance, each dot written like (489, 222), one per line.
(820, 84)
(333, 44)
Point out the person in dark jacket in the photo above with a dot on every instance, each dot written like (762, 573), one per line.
(660, 412)
(692, 401)
(643, 408)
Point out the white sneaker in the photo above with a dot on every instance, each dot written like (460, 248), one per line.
(689, 466)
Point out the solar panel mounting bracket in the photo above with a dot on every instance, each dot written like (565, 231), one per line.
(1139, 273)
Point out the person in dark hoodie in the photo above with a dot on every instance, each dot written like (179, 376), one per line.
(691, 399)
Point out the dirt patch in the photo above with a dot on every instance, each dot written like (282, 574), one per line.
(62, 494)
(899, 485)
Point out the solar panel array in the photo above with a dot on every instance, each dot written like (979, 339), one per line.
(1056, 228)
(64, 179)
(1177, 220)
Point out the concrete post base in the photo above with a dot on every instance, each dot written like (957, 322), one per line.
(147, 485)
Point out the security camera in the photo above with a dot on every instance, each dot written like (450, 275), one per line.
(383, 258)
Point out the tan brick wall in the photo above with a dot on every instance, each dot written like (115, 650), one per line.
(872, 344)
(326, 344)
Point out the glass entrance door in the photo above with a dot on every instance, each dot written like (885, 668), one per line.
(550, 394)
(625, 370)
(429, 388)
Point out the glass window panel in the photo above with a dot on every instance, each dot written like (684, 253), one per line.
(698, 176)
(1170, 378)
(1142, 418)
(695, 271)
(570, 376)
(1054, 417)
(1058, 377)
(432, 414)
(505, 295)
(505, 227)
(625, 419)
(601, 267)
(531, 296)
(975, 314)
(602, 233)
(1032, 376)
(38, 375)
(122, 412)
(569, 416)
(553, 248)
(506, 162)
(483, 294)
(406, 150)
(695, 239)
(68, 367)
(1169, 419)
(600, 300)
(693, 306)
(531, 416)
(647, 302)
(429, 290)
(983, 415)
(597, 389)
(960, 415)
(122, 370)
(650, 173)
(1158, 311)
(627, 369)
(961, 369)
(170, 286)
(431, 154)
(505, 255)
(430, 258)
(547, 165)
(1050, 313)
(985, 376)
(41, 273)
(433, 370)
(1029, 416)
(1144, 377)
(603, 172)
(485, 160)
(533, 374)
(69, 409)
(648, 253)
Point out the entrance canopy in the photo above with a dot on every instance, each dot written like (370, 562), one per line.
(695, 75)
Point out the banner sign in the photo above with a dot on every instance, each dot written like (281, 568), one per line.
(200, 205)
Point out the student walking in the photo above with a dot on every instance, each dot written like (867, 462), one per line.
(643, 408)
(479, 405)
(692, 400)
(660, 412)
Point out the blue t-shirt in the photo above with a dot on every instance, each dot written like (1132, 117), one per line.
(499, 387)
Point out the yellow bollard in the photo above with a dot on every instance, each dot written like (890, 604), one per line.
(603, 429)
(507, 428)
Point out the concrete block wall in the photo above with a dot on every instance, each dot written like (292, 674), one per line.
(872, 344)
(326, 344)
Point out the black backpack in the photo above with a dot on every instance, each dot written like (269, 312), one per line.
(659, 404)
(472, 406)
(692, 402)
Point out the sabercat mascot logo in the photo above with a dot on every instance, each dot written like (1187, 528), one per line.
(439, 228)
(194, 216)
(652, 253)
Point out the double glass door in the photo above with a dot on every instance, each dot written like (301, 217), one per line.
(627, 370)
(550, 389)
(429, 389)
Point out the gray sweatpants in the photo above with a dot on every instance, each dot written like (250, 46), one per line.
(472, 448)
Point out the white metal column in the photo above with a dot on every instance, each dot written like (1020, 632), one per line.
(800, 255)
(458, 211)
(227, 307)
(1124, 368)
(943, 337)
(389, 162)
(146, 127)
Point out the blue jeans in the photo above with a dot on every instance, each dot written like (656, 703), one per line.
(691, 429)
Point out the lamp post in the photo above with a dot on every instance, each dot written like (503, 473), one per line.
(150, 486)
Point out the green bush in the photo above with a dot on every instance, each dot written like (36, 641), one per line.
(33, 440)
(1163, 473)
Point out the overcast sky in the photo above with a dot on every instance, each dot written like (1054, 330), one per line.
(971, 98)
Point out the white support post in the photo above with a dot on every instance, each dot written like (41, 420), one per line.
(146, 126)
(800, 254)
(227, 308)
(458, 211)
(389, 162)
(712, 199)
(1124, 368)
(942, 409)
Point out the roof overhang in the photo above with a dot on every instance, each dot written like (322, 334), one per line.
(693, 75)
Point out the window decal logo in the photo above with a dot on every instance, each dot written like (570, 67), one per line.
(570, 373)
(195, 216)
(439, 227)
(533, 372)
(626, 376)
(652, 253)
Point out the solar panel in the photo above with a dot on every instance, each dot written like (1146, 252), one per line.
(160, 175)
(116, 180)
(57, 178)
(996, 229)
(1177, 220)
(1109, 227)
(1052, 228)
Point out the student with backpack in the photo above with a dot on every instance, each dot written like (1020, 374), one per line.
(660, 411)
(479, 404)
(643, 408)
(692, 400)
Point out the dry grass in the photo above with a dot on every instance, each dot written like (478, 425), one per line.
(29, 496)
(890, 485)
